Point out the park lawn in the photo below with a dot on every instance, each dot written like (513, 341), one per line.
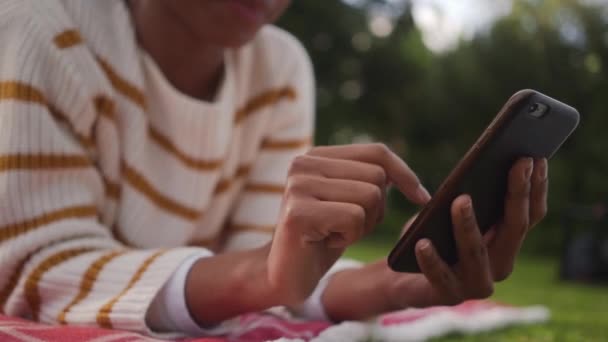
(578, 312)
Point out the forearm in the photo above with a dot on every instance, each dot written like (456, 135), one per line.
(224, 286)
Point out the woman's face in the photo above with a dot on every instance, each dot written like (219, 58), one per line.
(226, 23)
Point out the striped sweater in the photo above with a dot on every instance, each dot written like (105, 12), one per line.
(110, 178)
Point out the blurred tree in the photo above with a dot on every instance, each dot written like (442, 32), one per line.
(431, 107)
(360, 77)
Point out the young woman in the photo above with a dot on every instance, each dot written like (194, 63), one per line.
(156, 176)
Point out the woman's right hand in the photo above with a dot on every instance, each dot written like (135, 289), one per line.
(334, 196)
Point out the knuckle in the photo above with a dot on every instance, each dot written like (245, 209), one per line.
(542, 184)
(292, 217)
(299, 164)
(521, 191)
(373, 196)
(298, 184)
(356, 215)
(316, 150)
(478, 252)
(379, 176)
(381, 149)
(292, 185)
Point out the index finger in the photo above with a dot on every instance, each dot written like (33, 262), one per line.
(397, 171)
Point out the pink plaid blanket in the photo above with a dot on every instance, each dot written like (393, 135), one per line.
(406, 325)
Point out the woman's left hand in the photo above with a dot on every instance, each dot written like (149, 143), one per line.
(483, 260)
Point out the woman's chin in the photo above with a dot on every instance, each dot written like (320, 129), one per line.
(234, 39)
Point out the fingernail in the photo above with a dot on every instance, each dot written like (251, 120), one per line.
(423, 193)
(425, 247)
(529, 168)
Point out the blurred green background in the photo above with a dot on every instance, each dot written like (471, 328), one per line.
(427, 76)
(378, 81)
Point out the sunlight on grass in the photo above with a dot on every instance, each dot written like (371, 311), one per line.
(579, 313)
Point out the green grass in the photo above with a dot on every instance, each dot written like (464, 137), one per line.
(578, 312)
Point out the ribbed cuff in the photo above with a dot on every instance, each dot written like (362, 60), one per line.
(313, 309)
(169, 312)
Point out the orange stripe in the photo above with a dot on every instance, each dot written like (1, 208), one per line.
(286, 144)
(197, 164)
(12, 90)
(112, 189)
(130, 91)
(31, 284)
(222, 186)
(88, 280)
(42, 161)
(16, 229)
(14, 278)
(12, 282)
(122, 85)
(67, 39)
(209, 242)
(225, 184)
(264, 99)
(270, 188)
(86, 142)
(103, 316)
(143, 186)
(105, 107)
(242, 228)
(20, 91)
(243, 170)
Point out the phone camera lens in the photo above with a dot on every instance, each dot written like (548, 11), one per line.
(533, 108)
(538, 110)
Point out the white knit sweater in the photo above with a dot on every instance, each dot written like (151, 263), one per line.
(107, 172)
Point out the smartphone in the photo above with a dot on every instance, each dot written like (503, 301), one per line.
(529, 125)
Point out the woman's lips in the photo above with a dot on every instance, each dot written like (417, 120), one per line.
(248, 11)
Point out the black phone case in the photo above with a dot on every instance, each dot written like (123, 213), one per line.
(483, 173)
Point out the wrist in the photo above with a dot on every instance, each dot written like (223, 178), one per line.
(406, 290)
(393, 290)
(225, 286)
(357, 294)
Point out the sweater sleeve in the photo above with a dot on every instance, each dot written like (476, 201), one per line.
(58, 263)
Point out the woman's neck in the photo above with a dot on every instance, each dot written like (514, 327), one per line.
(193, 67)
